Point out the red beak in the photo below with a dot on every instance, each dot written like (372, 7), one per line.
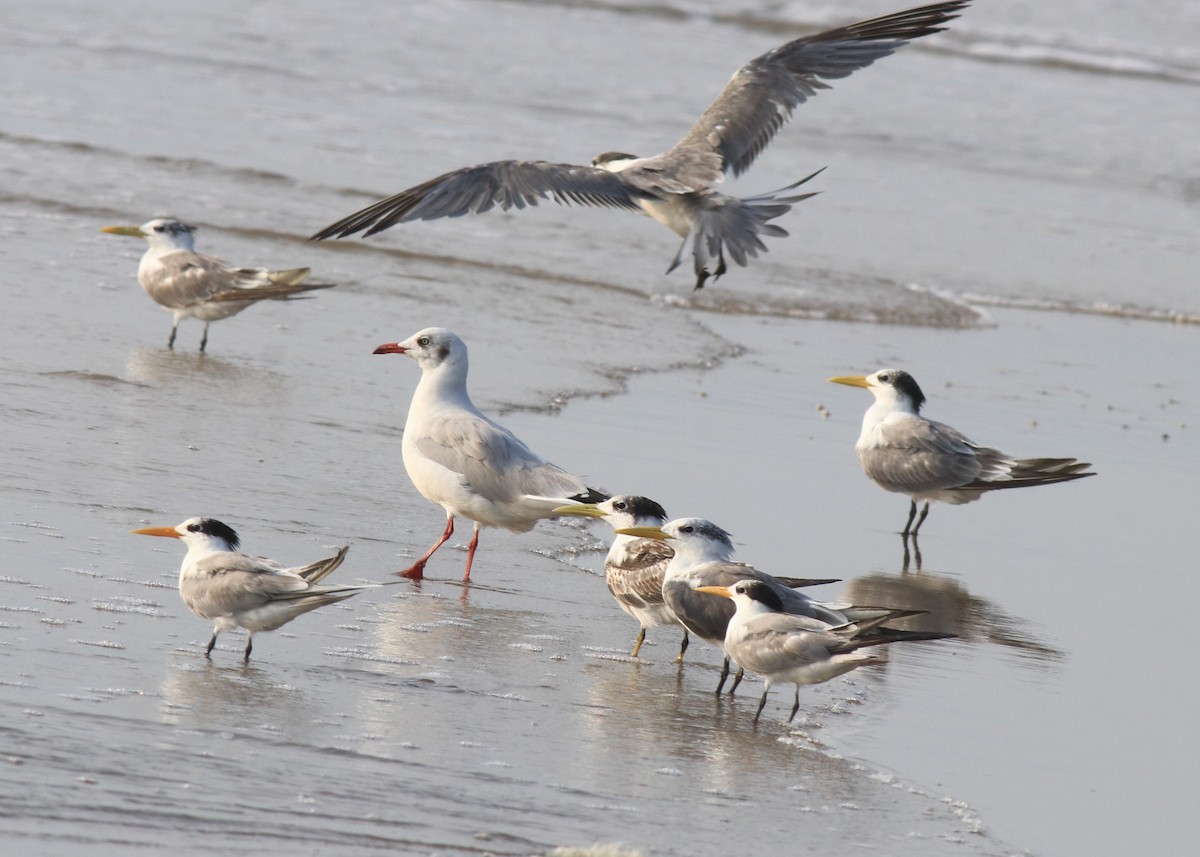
(390, 348)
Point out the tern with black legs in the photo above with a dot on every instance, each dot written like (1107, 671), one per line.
(635, 567)
(676, 187)
(907, 453)
(193, 285)
(235, 590)
(703, 557)
(465, 462)
(785, 648)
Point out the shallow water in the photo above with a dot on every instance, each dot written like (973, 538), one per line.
(1022, 159)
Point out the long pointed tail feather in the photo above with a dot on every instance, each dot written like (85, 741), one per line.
(728, 224)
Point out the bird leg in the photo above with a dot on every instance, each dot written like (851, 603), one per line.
(724, 674)
(416, 571)
(471, 552)
(637, 647)
(795, 705)
(204, 337)
(703, 274)
(171, 338)
(737, 679)
(211, 643)
(762, 702)
(682, 647)
(912, 513)
(920, 520)
(249, 646)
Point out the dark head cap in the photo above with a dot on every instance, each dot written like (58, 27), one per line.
(904, 383)
(758, 591)
(213, 527)
(641, 508)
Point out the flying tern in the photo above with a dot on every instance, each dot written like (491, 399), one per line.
(907, 453)
(193, 285)
(676, 187)
(703, 557)
(782, 647)
(218, 582)
(467, 463)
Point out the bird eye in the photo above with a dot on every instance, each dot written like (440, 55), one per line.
(159, 229)
(423, 342)
(619, 505)
(885, 377)
(688, 529)
(193, 528)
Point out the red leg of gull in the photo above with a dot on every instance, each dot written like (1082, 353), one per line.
(471, 551)
(416, 571)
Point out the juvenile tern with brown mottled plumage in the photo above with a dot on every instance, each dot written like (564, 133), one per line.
(676, 187)
(634, 567)
(467, 463)
(193, 285)
(218, 582)
(907, 453)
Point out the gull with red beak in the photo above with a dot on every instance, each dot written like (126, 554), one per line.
(235, 590)
(467, 463)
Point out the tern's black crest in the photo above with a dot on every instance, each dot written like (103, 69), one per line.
(708, 529)
(213, 527)
(906, 384)
(641, 508)
(171, 226)
(759, 591)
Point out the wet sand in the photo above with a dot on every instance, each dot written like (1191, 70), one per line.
(507, 718)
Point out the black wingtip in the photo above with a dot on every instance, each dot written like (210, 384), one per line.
(591, 495)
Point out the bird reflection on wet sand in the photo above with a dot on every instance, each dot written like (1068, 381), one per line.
(948, 606)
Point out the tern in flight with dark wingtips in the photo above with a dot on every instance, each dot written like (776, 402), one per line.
(466, 463)
(907, 453)
(676, 187)
(235, 590)
(192, 285)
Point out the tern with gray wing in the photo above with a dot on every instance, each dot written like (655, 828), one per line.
(703, 557)
(907, 453)
(635, 567)
(218, 582)
(676, 187)
(765, 639)
(193, 285)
